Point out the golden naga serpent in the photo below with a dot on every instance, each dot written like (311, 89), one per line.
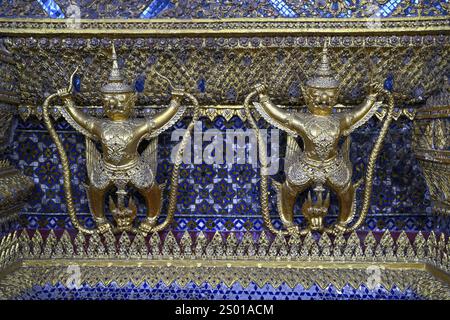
(66, 170)
(176, 168)
(264, 190)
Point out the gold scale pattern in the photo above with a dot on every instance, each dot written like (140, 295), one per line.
(230, 70)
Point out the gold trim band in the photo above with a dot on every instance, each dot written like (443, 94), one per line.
(225, 27)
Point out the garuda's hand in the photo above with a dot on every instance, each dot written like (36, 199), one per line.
(64, 93)
(375, 89)
(260, 88)
(178, 92)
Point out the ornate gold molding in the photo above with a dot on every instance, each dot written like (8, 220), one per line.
(421, 264)
(402, 276)
(14, 189)
(431, 141)
(359, 247)
(225, 27)
(9, 72)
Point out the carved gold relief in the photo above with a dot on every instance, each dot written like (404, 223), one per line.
(199, 259)
(321, 163)
(120, 165)
(417, 263)
(431, 142)
(358, 247)
(229, 67)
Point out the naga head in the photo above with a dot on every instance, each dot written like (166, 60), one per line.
(321, 91)
(118, 97)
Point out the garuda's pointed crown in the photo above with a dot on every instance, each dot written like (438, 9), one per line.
(116, 82)
(324, 76)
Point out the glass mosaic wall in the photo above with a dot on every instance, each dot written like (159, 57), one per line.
(220, 292)
(223, 197)
(220, 197)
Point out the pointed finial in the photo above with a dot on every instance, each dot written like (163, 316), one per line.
(116, 82)
(323, 77)
(325, 54)
(115, 75)
(114, 57)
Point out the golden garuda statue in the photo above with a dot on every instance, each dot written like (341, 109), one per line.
(321, 163)
(119, 164)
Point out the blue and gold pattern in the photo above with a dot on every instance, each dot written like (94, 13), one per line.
(208, 292)
(222, 197)
(219, 9)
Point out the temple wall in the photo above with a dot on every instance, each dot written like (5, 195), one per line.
(400, 201)
(218, 246)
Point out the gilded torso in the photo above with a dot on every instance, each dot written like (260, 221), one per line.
(118, 142)
(321, 135)
(321, 159)
(121, 162)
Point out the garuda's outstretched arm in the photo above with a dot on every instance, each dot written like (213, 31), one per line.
(75, 117)
(284, 118)
(165, 116)
(362, 113)
(86, 122)
(165, 119)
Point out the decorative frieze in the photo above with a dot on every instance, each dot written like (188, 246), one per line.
(213, 259)
(358, 247)
(431, 142)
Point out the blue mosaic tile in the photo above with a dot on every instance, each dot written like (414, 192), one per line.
(155, 8)
(207, 292)
(51, 8)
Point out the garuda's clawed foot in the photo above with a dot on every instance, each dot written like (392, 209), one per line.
(292, 229)
(148, 224)
(337, 229)
(103, 225)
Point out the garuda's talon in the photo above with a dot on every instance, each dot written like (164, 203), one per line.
(145, 229)
(104, 227)
(63, 93)
(148, 224)
(178, 91)
(376, 88)
(293, 229)
(260, 88)
(337, 229)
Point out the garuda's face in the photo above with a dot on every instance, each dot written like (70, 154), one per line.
(118, 106)
(320, 100)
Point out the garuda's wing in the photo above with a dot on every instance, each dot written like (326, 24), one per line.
(293, 152)
(150, 155)
(171, 122)
(272, 121)
(74, 124)
(93, 156)
(364, 119)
